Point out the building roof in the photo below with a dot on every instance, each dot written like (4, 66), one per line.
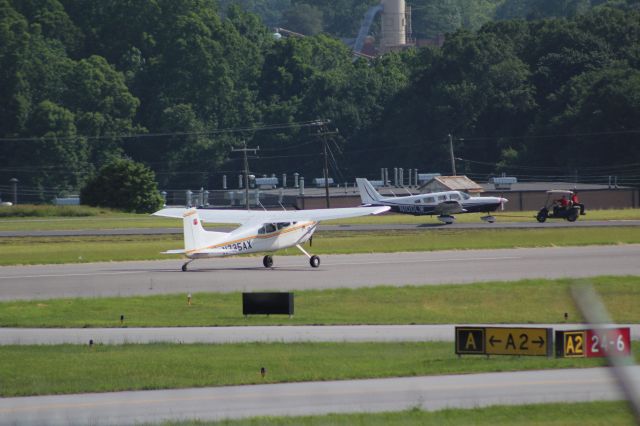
(453, 183)
(545, 186)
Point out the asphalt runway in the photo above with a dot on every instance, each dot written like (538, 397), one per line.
(322, 227)
(265, 334)
(292, 273)
(313, 398)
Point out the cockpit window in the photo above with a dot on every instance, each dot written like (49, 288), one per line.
(454, 197)
(267, 228)
(442, 198)
(282, 225)
(465, 196)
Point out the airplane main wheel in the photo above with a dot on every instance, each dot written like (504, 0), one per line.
(267, 261)
(184, 267)
(314, 261)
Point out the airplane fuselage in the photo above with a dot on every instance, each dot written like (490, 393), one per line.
(420, 210)
(429, 204)
(269, 237)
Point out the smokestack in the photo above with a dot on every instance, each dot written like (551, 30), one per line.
(394, 24)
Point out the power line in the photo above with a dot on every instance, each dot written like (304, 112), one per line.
(558, 135)
(265, 127)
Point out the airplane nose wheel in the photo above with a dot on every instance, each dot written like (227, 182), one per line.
(314, 260)
(184, 267)
(267, 261)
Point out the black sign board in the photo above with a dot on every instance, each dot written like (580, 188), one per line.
(503, 341)
(267, 303)
(470, 340)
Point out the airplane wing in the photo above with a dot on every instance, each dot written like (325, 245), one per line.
(212, 216)
(261, 216)
(449, 207)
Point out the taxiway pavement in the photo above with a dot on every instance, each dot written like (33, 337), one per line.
(309, 398)
(265, 334)
(294, 273)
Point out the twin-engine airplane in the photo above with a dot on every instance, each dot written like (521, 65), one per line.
(444, 204)
(259, 231)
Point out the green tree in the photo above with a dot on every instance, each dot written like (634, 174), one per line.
(103, 105)
(602, 101)
(341, 18)
(60, 156)
(14, 42)
(53, 20)
(123, 184)
(304, 18)
(269, 10)
(436, 17)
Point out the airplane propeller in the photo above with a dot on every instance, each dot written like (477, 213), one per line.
(502, 201)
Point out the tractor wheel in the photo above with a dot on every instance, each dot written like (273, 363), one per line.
(542, 216)
(572, 216)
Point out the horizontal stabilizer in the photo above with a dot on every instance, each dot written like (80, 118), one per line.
(178, 251)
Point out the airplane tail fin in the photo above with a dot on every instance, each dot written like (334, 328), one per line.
(368, 193)
(195, 236)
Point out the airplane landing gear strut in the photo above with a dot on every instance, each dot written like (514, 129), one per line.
(314, 260)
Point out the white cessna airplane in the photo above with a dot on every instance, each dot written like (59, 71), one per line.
(444, 204)
(259, 231)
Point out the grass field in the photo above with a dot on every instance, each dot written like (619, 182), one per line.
(43, 218)
(46, 250)
(575, 414)
(527, 301)
(63, 369)
(51, 211)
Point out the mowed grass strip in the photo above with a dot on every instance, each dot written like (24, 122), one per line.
(52, 250)
(569, 414)
(48, 250)
(60, 369)
(501, 216)
(47, 218)
(526, 301)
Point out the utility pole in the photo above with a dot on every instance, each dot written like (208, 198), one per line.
(323, 133)
(453, 161)
(246, 169)
(326, 173)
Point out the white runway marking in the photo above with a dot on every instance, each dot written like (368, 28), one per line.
(395, 262)
(88, 274)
